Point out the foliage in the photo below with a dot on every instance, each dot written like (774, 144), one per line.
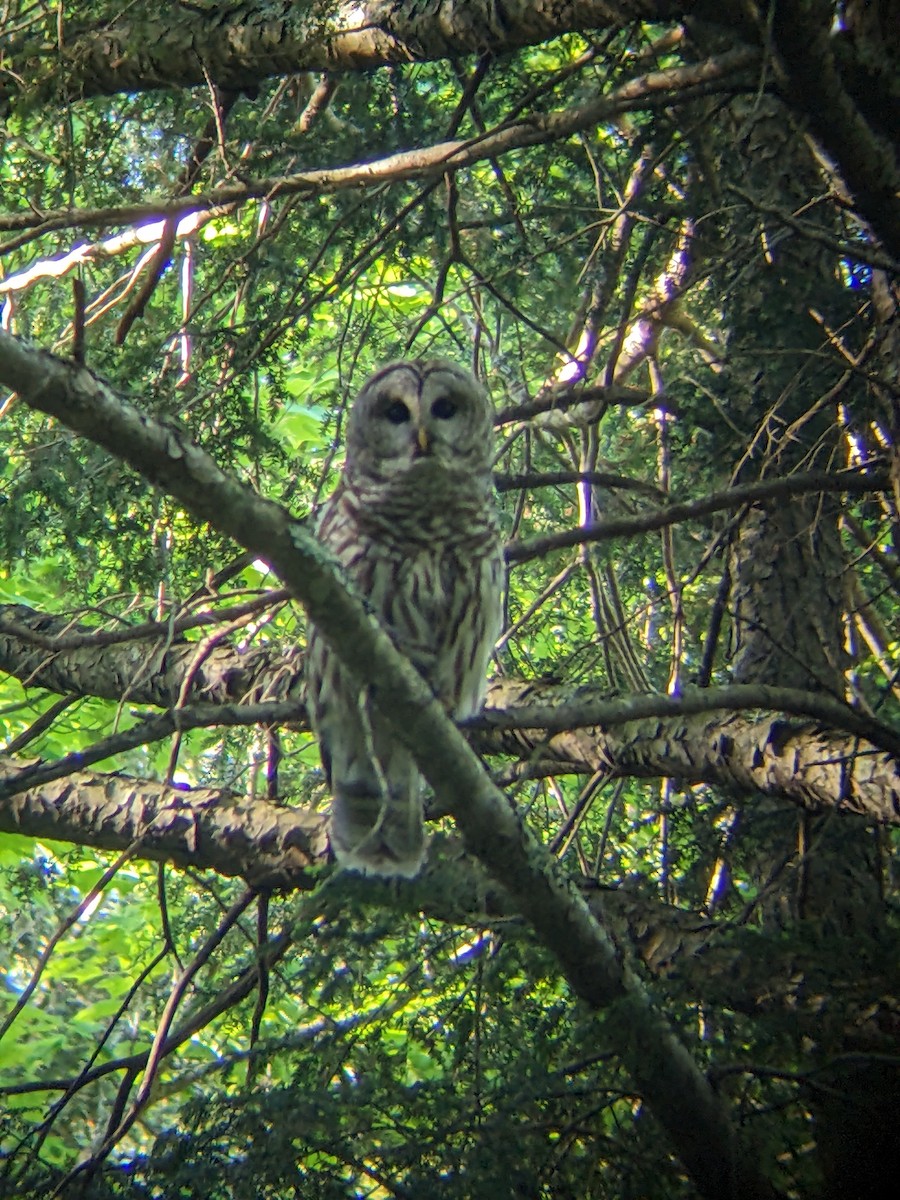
(689, 259)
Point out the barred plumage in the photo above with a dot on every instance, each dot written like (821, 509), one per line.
(412, 523)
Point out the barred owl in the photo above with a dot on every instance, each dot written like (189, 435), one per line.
(413, 526)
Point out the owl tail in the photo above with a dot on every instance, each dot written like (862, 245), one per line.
(376, 826)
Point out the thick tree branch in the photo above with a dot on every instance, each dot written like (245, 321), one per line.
(273, 849)
(238, 46)
(205, 828)
(720, 736)
(586, 708)
(282, 849)
(141, 665)
(693, 1115)
(736, 737)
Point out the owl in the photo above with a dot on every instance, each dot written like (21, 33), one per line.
(412, 523)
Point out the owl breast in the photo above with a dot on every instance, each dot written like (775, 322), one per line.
(446, 616)
(433, 574)
(425, 503)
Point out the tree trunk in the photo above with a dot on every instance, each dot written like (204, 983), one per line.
(816, 877)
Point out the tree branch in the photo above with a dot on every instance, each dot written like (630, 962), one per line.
(867, 163)
(437, 160)
(140, 664)
(144, 733)
(145, 48)
(757, 492)
(282, 849)
(734, 736)
(674, 1087)
(205, 828)
(727, 736)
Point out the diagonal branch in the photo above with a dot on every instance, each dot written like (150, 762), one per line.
(679, 1094)
(536, 129)
(867, 162)
(758, 491)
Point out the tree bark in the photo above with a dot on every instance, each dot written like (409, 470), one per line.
(816, 877)
(204, 828)
(238, 46)
(738, 739)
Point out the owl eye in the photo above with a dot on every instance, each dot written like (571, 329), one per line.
(397, 412)
(443, 408)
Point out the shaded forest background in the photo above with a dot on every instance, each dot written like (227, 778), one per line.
(654, 952)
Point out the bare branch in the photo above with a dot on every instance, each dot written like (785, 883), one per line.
(145, 733)
(605, 479)
(756, 492)
(558, 398)
(436, 160)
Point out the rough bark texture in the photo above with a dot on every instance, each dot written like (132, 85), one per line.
(715, 963)
(788, 597)
(751, 750)
(201, 827)
(236, 46)
(788, 614)
(38, 649)
(816, 876)
(868, 162)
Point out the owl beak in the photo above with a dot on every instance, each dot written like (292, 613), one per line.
(423, 442)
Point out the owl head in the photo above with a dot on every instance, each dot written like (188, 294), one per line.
(420, 416)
